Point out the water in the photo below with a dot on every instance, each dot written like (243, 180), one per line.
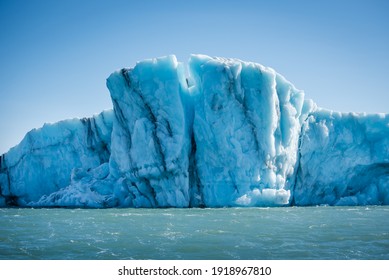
(228, 233)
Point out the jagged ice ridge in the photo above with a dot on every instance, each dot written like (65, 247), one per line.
(232, 133)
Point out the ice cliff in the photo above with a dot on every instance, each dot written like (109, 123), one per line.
(344, 159)
(231, 133)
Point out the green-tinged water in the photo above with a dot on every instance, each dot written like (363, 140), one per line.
(228, 233)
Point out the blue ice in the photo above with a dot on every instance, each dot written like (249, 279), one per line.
(231, 133)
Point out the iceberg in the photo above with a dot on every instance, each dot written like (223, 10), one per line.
(219, 133)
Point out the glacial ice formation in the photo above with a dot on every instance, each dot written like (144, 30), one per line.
(232, 133)
(150, 138)
(246, 130)
(49, 158)
(344, 159)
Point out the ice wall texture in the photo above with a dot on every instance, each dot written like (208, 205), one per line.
(48, 158)
(344, 159)
(231, 133)
(246, 129)
(150, 139)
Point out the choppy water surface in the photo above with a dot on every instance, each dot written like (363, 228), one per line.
(228, 233)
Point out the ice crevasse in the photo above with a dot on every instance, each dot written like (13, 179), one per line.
(231, 133)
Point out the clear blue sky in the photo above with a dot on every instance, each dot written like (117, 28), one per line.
(56, 55)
